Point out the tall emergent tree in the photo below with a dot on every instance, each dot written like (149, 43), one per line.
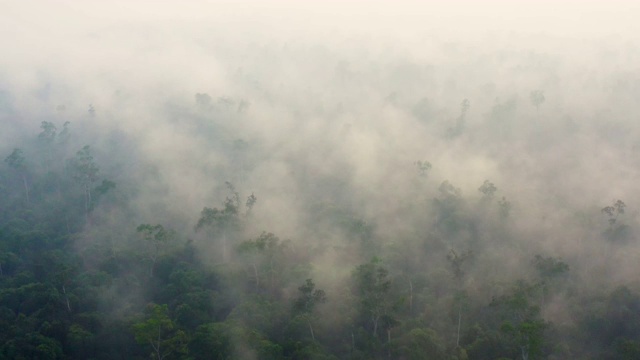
(459, 125)
(264, 255)
(158, 331)
(457, 262)
(373, 288)
(157, 237)
(423, 167)
(220, 222)
(85, 171)
(617, 230)
(522, 323)
(224, 222)
(549, 270)
(488, 189)
(46, 140)
(537, 99)
(308, 298)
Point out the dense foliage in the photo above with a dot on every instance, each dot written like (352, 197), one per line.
(74, 286)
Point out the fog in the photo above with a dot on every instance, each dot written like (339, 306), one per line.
(330, 105)
(333, 87)
(342, 99)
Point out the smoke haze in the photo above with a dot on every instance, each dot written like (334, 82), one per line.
(348, 93)
(325, 108)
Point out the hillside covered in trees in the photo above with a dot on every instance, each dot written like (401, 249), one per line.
(345, 192)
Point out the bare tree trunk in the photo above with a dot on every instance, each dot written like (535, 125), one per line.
(26, 188)
(64, 291)
(525, 348)
(255, 273)
(410, 296)
(159, 338)
(271, 280)
(224, 246)
(459, 321)
(389, 343)
(313, 337)
(375, 326)
(353, 342)
(87, 199)
(153, 265)
(153, 256)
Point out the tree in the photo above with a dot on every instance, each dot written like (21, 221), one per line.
(265, 255)
(212, 342)
(49, 131)
(251, 201)
(421, 344)
(47, 141)
(614, 211)
(372, 286)
(459, 125)
(423, 167)
(613, 320)
(223, 222)
(158, 237)
(308, 298)
(220, 222)
(457, 261)
(487, 189)
(617, 231)
(17, 162)
(158, 331)
(448, 190)
(537, 99)
(521, 321)
(85, 171)
(549, 269)
(504, 207)
(65, 134)
(449, 204)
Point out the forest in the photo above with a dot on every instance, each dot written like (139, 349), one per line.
(296, 193)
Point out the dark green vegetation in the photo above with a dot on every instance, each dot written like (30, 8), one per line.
(80, 278)
(290, 179)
